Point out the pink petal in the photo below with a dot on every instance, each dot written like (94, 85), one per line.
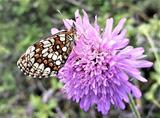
(54, 31)
(68, 23)
(139, 63)
(139, 77)
(78, 23)
(135, 91)
(137, 52)
(86, 22)
(125, 51)
(96, 25)
(123, 75)
(121, 36)
(108, 30)
(118, 28)
(122, 44)
(89, 30)
(78, 18)
(143, 64)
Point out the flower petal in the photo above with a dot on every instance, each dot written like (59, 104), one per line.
(118, 28)
(54, 31)
(135, 91)
(108, 30)
(68, 23)
(96, 25)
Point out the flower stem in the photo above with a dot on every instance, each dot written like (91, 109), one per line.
(152, 46)
(133, 107)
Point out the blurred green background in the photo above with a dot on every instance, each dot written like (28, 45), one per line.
(22, 22)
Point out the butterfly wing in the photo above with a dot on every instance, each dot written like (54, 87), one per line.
(47, 56)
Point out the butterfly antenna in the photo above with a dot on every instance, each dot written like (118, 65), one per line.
(62, 16)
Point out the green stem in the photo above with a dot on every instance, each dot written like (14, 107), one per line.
(152, 46)
(133, 107)
(156, 57)
(156, 103)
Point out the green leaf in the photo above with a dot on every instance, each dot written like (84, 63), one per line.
(35, 101)
(150, 94)
(56, 84)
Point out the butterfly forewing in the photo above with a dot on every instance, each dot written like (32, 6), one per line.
(47, 56)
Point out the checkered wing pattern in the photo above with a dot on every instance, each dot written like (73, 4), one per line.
(47, 56)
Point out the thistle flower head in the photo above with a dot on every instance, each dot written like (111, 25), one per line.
(98, 69)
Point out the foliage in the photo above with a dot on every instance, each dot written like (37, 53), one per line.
(22, 22)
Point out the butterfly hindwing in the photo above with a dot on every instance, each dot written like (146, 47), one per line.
(47, 56)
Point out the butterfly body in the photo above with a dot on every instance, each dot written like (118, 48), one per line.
(47, 56)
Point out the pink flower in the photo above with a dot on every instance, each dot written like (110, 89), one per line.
(98, 68)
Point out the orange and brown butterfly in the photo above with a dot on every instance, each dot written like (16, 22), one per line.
(45, 57)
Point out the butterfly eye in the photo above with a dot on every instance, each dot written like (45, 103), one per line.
(47, 56)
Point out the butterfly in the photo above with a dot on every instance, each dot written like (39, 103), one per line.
(47, 56)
